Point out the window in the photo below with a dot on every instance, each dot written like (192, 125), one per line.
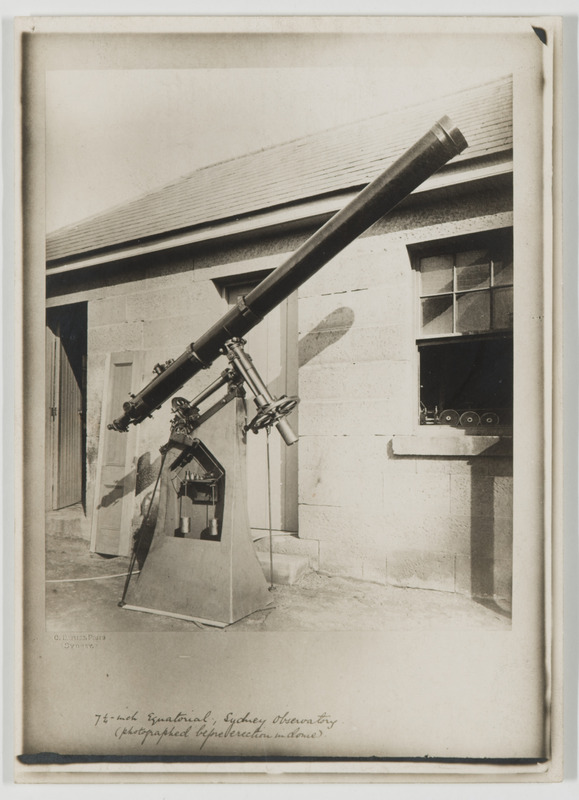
(465, 331)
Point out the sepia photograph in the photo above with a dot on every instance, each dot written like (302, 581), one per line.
(288, 294)
(394, 471)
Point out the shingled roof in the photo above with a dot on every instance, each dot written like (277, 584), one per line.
(339, 159)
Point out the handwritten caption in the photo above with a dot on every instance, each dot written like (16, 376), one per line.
(202, 728)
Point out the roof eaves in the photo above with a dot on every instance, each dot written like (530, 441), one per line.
(270, 218)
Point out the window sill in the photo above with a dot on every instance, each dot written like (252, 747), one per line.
(461, 444)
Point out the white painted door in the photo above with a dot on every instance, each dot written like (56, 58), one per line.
(116, 473)
(273, 346)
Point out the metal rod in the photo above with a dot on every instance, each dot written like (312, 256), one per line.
(244, 363)
(269, 511)
(224, 378)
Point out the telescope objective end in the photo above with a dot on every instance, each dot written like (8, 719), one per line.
(448, 132)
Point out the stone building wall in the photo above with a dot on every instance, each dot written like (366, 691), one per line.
(435, 521)
(432, 521)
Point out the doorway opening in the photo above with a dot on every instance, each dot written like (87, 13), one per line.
(66, 357)
(273, 346)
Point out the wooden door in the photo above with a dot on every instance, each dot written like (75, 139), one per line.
(111, 532)
(273, 346)
(51, 418)
(65, 368)
(70, 455)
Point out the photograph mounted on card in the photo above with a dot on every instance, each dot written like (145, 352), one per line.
(293, 322)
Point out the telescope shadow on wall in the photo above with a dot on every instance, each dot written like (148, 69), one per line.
(121, 488)
(328, 331)
(146, 478)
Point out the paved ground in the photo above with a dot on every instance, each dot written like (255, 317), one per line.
(83, 591)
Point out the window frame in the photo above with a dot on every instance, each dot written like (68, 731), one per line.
(502, 236)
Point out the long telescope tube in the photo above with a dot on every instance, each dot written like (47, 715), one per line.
(441, 143)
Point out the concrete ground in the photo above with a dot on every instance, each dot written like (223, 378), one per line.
(83, 591)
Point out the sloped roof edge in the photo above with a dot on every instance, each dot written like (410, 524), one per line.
(321, 163)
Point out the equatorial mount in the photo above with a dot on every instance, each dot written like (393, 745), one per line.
(271, 411)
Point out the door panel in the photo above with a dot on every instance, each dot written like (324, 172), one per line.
(51, 419)
(116, 474)
(273, 347)
(65, 399)
(70, 455)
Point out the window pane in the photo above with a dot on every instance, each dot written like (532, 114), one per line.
(437, 315)
(503, 309)
(503, 272)
(472, 270)
(473, 312)
(466, 375)
(436, 274)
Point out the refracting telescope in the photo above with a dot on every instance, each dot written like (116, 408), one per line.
(201, 565)
(441, 143)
